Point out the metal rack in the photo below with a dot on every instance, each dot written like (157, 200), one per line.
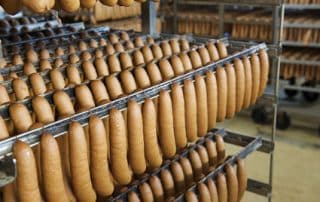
(277, 24)
(250, 145)
(58, 128)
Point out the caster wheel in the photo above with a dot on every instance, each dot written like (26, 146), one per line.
(259, 115)
(283, 121)
(291, 93)
(309, 96)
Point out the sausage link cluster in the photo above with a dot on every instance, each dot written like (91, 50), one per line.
(98, 90)
(44, 6)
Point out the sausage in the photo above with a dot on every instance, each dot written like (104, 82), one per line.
(187, 65)
(204, 156)
(190, 110)
(57, 79)
(125, 2)
(100, 174)
(166, 130)
(70, 5)
(73, 75)
(87, 3)
(4, 96)
(114, 87)
(232, 184)
(166, 69)
(223, 53)
(135, 136)
(101, 67)
(157, 52)
(242, 178)
(28, 68)
(42, 109)
(109, 2)
(20, 89)
(222, 84)
(240, 84)
(167, 183)
(84, 98)
(142, 77)
(255, 64)
(248, 81)
(79, 164)
(213, 52)
(204, 54)
(37, 84)
(191, 197)
(63, 104)
(27, 179)
(152, 150)
(89, 70)
(184, 44)
(128, 83)
(20, 117)
(178, 107)
(166, 49)
(118, 148)
(138, 58)
(231, 92)
(177, 65)
(51, 170)
(44, 65)
(202, 105)
(154, 73)
(133, 197)
(212, 152)
(125, 60)
(213, 190)
(156, 188)
(212, 99)
(147, 54)
(174, 46)
(4, 133)
(264, 70)
(99, 92)
(146, 192)
(196, 164)
(204, 193)
(222, 188)
(220, 148)
(187, 170)
(113, 37)
(9, 193)
(195, 59)
(178, 176)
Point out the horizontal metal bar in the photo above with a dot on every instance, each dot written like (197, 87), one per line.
(242, 140)
(315, 89)
(299, 62)
(308, 25)
(60, 127)
(300, 44)
(262, 3)
(302, 6)
(259, 188)
(251, 147)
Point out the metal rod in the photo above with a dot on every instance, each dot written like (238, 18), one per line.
(221, 20)
(149, 17)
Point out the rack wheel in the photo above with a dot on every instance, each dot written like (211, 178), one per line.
(291, 93)
(259, 115)
(310, 96)
(283, 121)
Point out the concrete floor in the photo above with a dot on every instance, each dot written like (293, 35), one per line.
(297, 162)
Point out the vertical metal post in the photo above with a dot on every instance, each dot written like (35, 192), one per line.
(1, 49)
(221, 20)
(175, 17)
(149, 17)
(278, 20)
